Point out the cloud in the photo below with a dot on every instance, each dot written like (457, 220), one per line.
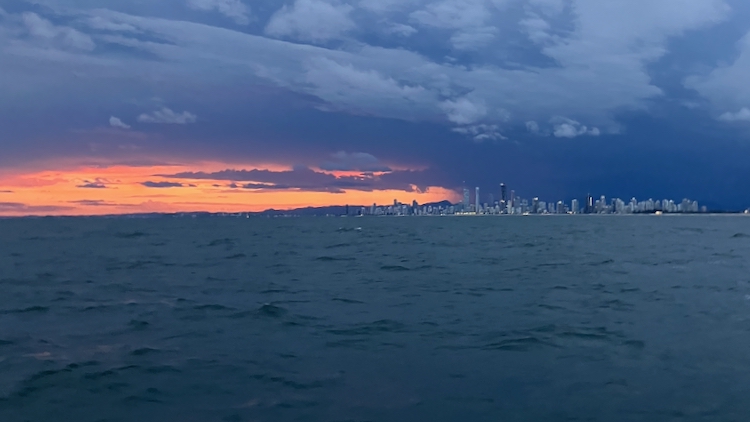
(116, 122)
(453, 14)
(95, 184)
(400, 30)
(548, 7)
(568, 128)
(367, 91)
(532, 127)
(481, 132)
(311, 20)
(97, 22)
(385, 6)
(233, 9)
(356, 161)
(150, 184)
(305, 179)
(594, 65)
(6, 191)
(742, 115)
(92, 186)
(464, 111)
(474, 38)
(60, 36)
(594, 68)
(536, 28)
(98, 203)
(168, 116)
(20, 208)
(725, 86)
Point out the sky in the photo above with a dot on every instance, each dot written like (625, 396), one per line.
(126, 106)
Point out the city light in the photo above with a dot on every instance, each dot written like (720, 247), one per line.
(516, 205)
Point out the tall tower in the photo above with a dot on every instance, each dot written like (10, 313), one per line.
(467, 199)
(476, 199)
(503, 192)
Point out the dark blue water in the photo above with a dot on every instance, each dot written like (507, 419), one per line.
(606, 318)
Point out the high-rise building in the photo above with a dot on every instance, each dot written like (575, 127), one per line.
(467, 199)
(512, 198)
(503, 192)
(589, 204)
(476, 199)
(574, 206)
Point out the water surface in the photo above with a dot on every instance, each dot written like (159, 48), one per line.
(611, 318)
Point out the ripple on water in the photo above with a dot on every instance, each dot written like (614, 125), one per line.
(144, 351)
(138, 325)
(327, 258)
(343, 300)
(130, 235)
(338, 245)
(376, 327)
(29, 310)
(559, 336)
(213, 307)
(518, 344)
(394, 268)
(271, 310)
(266, 310)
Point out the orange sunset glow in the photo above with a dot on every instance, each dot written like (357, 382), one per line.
(90, 190)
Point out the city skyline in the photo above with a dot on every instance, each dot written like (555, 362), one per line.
(523, 206)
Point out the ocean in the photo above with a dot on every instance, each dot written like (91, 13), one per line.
(535, 318)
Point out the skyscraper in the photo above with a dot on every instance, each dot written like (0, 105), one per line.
(503, 192)
(574, 206)
(467, 199)
(476, 199)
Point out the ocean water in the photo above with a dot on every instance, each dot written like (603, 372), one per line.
(556, 318)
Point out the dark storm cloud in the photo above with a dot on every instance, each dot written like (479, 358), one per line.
(306, 179)
(151, 184)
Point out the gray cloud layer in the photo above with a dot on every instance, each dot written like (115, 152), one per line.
(590, 57)
(306, 179)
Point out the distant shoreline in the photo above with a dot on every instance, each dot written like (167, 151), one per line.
(283, 214)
